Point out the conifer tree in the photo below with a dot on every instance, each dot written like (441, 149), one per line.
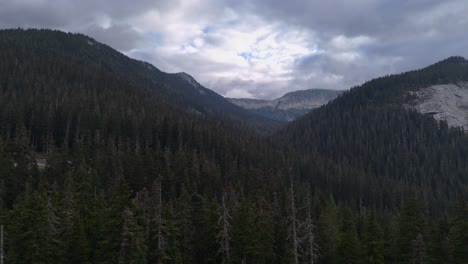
(438, 242)
(411, 224)
(458, 233)
(329, 227)
(157, 239)
(349, 245)
(266, 231)
(174, 255)
(244, 234)
(132, 245)
(418, 251)
(373, 244)
(183, 215)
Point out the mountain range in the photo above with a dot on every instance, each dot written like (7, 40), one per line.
(289, 106)
(106, 159)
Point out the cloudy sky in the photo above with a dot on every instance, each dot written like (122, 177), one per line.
(263, 48)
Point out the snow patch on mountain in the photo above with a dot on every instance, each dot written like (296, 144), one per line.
(447, 102)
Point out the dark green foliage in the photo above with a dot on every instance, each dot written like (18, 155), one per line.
(133, 245)
(373, 245)
(104, 159)
(412, 226)
(349, 248)
(245, 234)
(377, 142)
(204, 234)
(458, 232)
(34, 232)
(329, 227)
(438, 243)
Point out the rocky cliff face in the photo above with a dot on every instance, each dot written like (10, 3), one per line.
(447, 102)
(290, 106)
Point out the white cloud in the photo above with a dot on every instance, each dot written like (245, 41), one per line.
(342, 42)
(246, 48)
(238, 93)
(263, 48)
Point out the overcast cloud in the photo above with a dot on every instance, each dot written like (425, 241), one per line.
(262, 48)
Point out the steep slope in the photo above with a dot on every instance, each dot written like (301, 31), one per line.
(372, 130)
(289, 106)
(66, 100)
(86, 143)
(179, 89)
(448, 102)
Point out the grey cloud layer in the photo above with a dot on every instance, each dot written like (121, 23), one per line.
(345, 42)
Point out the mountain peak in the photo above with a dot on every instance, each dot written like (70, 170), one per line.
(188, 78)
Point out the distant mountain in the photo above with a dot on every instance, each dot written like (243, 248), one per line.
(289, 106)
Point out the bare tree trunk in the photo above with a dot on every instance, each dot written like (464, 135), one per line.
(312, 246)
(78, 128)
(159, 220)
(224, 235)
(159, 217)
(2, 254)
(30, 129)
(8, 132)
(294, 221)
(67, 132)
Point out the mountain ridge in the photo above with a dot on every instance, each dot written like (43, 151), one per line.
(289, 106)
(127, 160)
(372, 128)
(177, 88)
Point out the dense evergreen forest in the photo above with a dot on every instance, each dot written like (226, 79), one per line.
(104, 159)
(378, 142)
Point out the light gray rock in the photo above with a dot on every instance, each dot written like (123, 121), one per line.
(447, 102)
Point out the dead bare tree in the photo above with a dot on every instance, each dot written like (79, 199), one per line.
(158, 219)
(309, 237)
(224, 235)
(2, 253)
(294, 222)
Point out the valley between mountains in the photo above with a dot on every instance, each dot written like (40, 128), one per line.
(107, 159)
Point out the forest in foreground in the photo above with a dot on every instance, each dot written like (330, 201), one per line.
(100, 164)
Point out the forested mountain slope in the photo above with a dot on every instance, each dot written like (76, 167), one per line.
(102, 162)
(64, 52)
(370, 129)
